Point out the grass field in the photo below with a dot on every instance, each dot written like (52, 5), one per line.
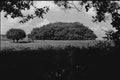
(47, 43)
(44, 64)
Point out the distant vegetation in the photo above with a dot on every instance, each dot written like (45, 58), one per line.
(15, 34)
(3, 37)
(63, 31)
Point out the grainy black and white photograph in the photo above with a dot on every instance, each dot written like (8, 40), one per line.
(59, 40)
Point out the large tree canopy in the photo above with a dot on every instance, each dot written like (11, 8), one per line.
(63, 31)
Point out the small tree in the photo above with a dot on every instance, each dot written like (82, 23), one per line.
(15, 34)
(109, 34)
(31, 37)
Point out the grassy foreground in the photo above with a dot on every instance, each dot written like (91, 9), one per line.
(56, 62)
(49, 43)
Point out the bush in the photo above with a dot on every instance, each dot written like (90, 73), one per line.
(103, 45)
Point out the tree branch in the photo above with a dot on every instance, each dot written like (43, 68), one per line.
(75, 7)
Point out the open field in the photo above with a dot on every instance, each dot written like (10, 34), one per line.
(47, 43)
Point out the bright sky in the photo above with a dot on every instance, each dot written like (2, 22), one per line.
(55, 14)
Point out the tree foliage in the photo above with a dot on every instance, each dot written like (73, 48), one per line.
(15, 34)
(63, 31)
(14, 8)
(109, 35)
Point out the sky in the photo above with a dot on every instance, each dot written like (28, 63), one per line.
(56, 14)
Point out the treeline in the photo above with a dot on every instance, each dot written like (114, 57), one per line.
(62, 31)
